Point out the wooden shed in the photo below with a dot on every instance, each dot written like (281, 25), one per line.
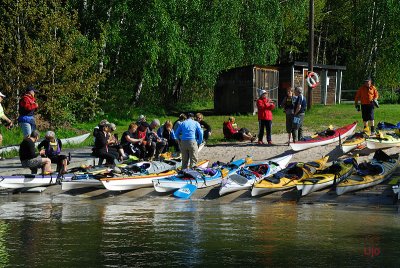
(327, 92)
(237, 89)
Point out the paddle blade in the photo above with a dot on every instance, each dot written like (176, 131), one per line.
(185, 192)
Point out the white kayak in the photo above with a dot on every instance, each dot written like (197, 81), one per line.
(387, 140)
(80, 181)
(136, 181)
(244, 178)
(19, 181)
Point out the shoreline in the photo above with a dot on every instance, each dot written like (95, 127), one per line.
(380, 194)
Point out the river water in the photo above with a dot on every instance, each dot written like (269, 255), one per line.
(69, 231)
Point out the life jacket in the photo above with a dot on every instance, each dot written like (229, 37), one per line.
(53, 148)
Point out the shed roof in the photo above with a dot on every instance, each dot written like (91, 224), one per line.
(318, 66)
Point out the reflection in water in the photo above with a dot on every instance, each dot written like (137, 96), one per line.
(4, 256)
(168, 232)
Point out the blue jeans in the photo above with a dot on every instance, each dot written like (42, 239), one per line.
(27, 128)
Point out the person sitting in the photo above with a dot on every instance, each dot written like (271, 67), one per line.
(231, 132)
(28, 156)
(128, 141)
(157, 142)
(168, 133)
(52, 147)
(146, 148)
(206, 127)
(101, 146)
(113, 143)
(99, 128)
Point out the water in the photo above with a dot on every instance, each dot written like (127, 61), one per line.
(69, 231)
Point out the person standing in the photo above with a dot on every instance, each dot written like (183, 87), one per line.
(300, 106)
(192, 137)
(9, 124)
(27, 108)
(265, 107)
(288, 107)
(28, 156)
(368, 96)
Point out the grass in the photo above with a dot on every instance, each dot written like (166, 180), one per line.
(317, 119)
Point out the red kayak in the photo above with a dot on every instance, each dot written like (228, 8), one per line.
(326, 137)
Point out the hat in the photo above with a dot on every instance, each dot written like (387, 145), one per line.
(50, 134)
(141, 118)
(104, 122)
(262, 92)
(155, 122)
(31, 88)
(367, 79)
(113, 126)
(2, 95)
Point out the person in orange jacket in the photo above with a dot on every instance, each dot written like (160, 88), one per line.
(368, 96)
(265, 107)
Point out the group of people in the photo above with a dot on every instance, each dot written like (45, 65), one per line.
(147, 141)
(294, 105)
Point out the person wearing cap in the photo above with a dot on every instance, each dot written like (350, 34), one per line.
(8, 123)
(265, 107)
(157, 143)
(300, 106)
(141, 119)
(28, 156)
(101, 149)
(192, 137)
(367, 95)
(113, 143)
(52, 149)
(27, 108)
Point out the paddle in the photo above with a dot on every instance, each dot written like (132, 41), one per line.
(186, 191)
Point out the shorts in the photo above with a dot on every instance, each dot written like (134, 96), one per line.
(32, 163)
(367, 112)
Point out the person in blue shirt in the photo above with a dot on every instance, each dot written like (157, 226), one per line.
(192, 137)
(300, 106)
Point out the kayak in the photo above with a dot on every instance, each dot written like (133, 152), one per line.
(79, 181)
(357, 140)
(18, 181)
(325, 137)
(327, 177)
(288, 177)
(200, 177)
(369, 173)
(387, 140)
(131, 181)
(245, 177)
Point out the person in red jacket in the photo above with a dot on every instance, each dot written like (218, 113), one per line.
(265, 107)
(27, 107)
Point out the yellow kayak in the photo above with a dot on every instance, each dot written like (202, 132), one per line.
(355, 141)
(369, 173)
(327, 177)
(288, 177)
